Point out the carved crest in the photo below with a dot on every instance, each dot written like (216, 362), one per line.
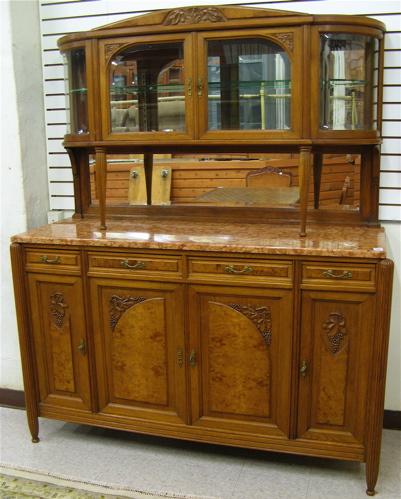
(260, 316)
(58, 309)
(119, 305)
(286, 39)
(194, 15)
(335, 332)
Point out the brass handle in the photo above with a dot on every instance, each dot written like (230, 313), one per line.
(303, 368)
(164, 174)
(345, 275)
(46, 260)
(82, 347)
(190, 88)
(139, 265)
(230, 269)
(180, 357)
(200, 87)
(192, 358)
(134, 174)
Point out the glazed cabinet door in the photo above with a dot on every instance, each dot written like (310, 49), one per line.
(59, 333)
(138, 333)
(240, 358)
(337, 339)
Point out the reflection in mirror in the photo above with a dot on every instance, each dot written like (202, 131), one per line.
(147, 89)
(248, 180)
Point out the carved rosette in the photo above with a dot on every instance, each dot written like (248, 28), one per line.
(110, 49)
(58, 309)
(287, 39)
(335, 332)
(194, 15)
(119, 305)
(260, 316)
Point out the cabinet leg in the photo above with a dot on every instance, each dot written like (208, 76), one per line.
(33, 424)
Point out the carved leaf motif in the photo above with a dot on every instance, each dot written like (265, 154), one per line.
(58, 309)
(119, 305)
(193, 15)
(335, 330)
(286, 39)
(110, 49)
(260, 316)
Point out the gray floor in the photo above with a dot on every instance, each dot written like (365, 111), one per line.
(194, 470)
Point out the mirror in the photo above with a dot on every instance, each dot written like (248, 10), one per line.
(232, 180)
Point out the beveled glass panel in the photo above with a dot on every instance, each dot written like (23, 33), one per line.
(76, 91)
(249, 85)
(348, 82)
(147, 91)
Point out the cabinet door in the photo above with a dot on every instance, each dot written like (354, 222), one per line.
(240, 352)
(138, 330)
(58, 320)
(336, 343)
(249, 83)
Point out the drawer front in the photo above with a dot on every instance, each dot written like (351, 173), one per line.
(244, 270)
(128, 263)
(44, 260)
(338, 274)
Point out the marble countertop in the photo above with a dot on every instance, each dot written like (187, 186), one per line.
(270, 239)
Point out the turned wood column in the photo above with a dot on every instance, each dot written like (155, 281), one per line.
(304, 179)
(317, 178)
(101, 177)
(148, 164)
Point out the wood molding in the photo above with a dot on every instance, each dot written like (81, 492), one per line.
(15, 400)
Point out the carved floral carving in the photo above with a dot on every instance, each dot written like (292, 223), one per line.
(119, 305)
(110, 49)
(260, 316)
(194, 15)
(286, 39)
(58, 309)
(335, 331)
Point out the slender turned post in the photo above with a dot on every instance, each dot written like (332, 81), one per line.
(304, 179)
(317, 177)
(374, 423)
(148, 164)
(26, 346)
(101, 176)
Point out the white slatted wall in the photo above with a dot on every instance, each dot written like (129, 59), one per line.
(69, 16)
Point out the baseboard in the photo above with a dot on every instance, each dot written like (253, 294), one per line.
(15, 399)
(12, 398)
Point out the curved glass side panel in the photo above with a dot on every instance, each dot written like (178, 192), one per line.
(348, 82)
(76, 91)
(249, 85)
(147, 91)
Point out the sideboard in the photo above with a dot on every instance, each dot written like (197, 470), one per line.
(166, 305)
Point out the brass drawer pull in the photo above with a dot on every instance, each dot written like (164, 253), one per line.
(192, 358)
(230, 269)
(82, 347)
(139, 265)
(46, 260)
(303, 368)
(345, 275)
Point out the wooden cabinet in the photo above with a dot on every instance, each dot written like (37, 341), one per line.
(209, 318)
(280, 352)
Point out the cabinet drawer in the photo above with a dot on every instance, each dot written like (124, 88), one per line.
(230, 269)
(338, 274)
(128, 263)
(52, 260)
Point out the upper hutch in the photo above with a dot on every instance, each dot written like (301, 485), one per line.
(199, 85)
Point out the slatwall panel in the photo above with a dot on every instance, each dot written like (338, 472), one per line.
(69, 16)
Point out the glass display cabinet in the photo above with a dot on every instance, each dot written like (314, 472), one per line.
(206, 84)
(213, 138)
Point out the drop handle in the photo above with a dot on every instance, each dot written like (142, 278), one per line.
(139, 265)
(303, 368)
(45, 259)
(230, 269)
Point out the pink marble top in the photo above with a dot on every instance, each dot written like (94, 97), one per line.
(270, 239)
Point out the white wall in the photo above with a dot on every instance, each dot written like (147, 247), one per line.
(24, 182)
